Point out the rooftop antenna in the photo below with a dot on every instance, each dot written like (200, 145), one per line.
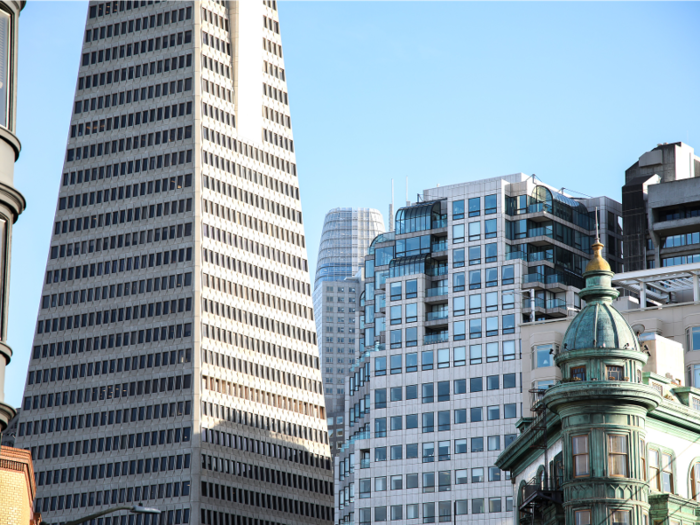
(391, 208)
(597, 233)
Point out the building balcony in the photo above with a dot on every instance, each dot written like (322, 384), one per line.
(435, 338)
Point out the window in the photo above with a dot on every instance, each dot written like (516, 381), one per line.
(395, 291)
(396, 512)
(578, 373)
(412, 511)
(476, 414)
(443, 450)
(491, 277)
(428, 393)
(380, 428)
(475, 304)
(478, 475)
(459, 356)
(475, 355)
(411, 364)
(617, 455)
(460, 446)
(458, 306)
(411, 421)
(614, 373)
(458, 258)
(380, 398)
(411, 334)
(396, 316)
(460, 386)
(493, 412)
(579, 446)
(478, 506)
(490, 229)
(395, 394)
(490, 204)
(491, 252)
(366, 516)
(411, 392)
(443, 358)
(693, 335)
(458, 285)
(491, 352)
(507, 274)
(396, 364)
(508, 439)
(494, 504)
(476, 384)
(426, 360)
(542, 356)
(443, 391)
(474, 255)
(428, 481)
(379, 513)
(493, 382)
(397, 450)
(457, 210)
(508, 350)
(411, 313)
(492, 329)
(397, 482)
(396, 423)
(380, 366)
(695, 481)
(509, 324)
(667, 473)
(509, 504)
(475, 207)
(412, 448)
(474, 279)
(620, 517)
(477, 444)
(444, 481)
(509, 381)
(412, 289)
(474, 231)
(428, 511)
(494, 442)
(411, 481)
(428, 422)
(380, 454)
(582, 517)
(492, 303)
(443, 420)
(474, 328)
(365, 488)
(458, 233)
(508, 300)
(458, 331)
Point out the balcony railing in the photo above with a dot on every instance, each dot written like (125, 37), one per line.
(437, 271)
(439, 246)
(542, 303)
(439, 223)
(436, 316)
(516, 255)
(434, 292)
(439, 337)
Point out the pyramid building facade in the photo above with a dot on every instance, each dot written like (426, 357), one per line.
(174, 362)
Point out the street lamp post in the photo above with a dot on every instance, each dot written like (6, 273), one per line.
(138, 509)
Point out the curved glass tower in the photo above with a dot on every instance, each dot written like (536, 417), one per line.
(347, 234)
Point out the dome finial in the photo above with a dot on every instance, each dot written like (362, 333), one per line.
(597, 263)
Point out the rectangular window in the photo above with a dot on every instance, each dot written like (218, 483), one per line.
(474, 279)
(475, 207)
(490, 229)
(395, 341)
(475, 355)
(474, 231)
(458, 258)
(620, 517)
(614, 373)
(396, 366)
(395, 291)
(474, 328)
(475, 304)
(667, 473)
(411, 365)
(457, 233)
(617, 455)
(457, 210)
(426, 360)
(411, 312)
(579, 447)
(582, 517)
(474, 255)
(412, 288)
(490, 204)
(460, 356)
(578, 373)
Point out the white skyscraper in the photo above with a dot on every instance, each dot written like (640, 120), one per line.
(175, 360)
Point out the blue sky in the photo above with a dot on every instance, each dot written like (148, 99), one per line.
(439, 92)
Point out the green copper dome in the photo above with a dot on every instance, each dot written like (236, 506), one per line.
(599, 324)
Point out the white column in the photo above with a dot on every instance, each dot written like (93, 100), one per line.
(696, 290)
(642, 294)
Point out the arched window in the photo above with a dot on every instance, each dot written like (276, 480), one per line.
(695, 481)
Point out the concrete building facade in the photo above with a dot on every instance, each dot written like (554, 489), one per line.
(175, 362)
(345, 239)
(661, 208)
(436, 392)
